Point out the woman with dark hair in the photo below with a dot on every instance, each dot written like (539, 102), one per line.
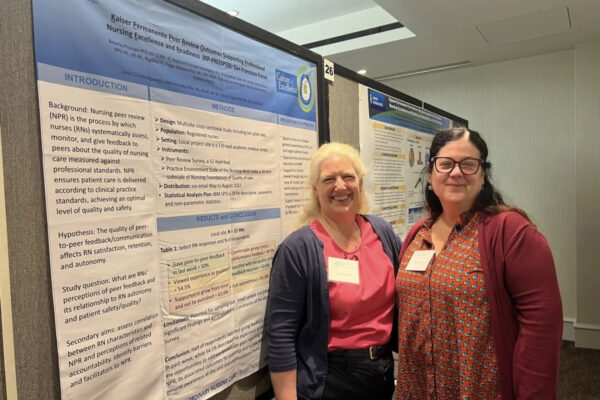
(480, 314)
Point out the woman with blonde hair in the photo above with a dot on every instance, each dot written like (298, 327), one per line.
(331, 306)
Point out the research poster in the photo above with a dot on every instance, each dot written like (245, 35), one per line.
(395, 137)
(174, 155)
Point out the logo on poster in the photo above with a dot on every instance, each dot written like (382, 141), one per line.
(306, 98)
(286, 83)
(376, 100)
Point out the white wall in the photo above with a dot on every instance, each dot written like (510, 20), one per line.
(587, 121)
(528, 111)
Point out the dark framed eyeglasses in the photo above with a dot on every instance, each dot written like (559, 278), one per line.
(468, 166)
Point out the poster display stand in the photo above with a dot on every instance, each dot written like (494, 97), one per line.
(174, 155)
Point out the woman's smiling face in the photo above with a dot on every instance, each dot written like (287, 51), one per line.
(456, 189)
(338, 187)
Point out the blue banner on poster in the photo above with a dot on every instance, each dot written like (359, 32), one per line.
(159, 45)
(199, 221)
(392, 111)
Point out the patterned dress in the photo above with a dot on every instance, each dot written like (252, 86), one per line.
(446, 348)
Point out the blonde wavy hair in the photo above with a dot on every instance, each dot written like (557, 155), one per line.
(312, 209)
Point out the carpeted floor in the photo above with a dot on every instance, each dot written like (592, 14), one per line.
(579, 373)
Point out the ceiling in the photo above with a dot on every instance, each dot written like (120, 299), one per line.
(446, 32)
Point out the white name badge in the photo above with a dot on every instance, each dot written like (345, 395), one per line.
(420, 260)
(342, 270)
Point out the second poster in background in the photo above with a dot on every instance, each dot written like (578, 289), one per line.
(395, 137)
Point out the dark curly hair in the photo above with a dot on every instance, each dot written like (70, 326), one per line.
(489, 199)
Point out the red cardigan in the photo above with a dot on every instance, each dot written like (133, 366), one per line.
(524, 300)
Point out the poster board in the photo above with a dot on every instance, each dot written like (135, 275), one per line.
(395, 136)
(174, 153)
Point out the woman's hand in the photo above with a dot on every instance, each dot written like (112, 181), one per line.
(284, 385)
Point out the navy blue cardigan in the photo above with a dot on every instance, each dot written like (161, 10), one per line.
(298, 306)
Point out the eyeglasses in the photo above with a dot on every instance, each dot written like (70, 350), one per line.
(468, 166)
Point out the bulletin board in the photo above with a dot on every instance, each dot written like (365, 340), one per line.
(174, 155)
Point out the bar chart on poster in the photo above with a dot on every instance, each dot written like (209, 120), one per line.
(174, 153)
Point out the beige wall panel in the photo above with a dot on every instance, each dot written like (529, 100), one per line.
(343, 111)
(587, 71)
(32, 315)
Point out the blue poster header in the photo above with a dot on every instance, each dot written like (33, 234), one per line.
(393, 111)
(159, 45)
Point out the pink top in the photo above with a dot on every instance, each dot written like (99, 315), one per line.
(360, 315)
